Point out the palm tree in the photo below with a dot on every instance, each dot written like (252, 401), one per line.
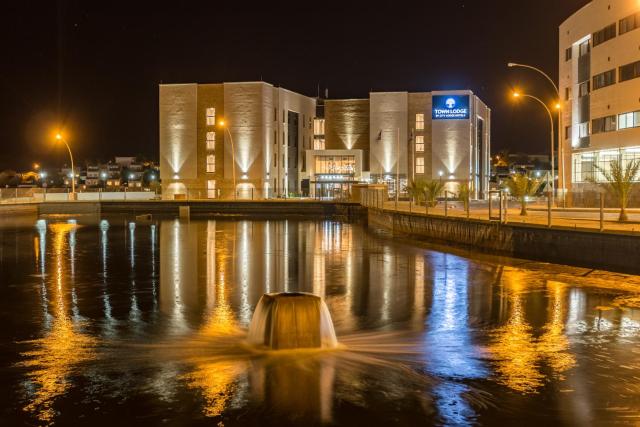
(416, 190)
(464, 193)
(432, 190)
(522, 187)
(620, 182)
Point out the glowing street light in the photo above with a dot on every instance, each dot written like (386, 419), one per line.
(221, 123)
(517, 94)
(558, 108)
(73, 169)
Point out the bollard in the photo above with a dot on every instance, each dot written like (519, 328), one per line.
(601, 212)
(446, 204)
(506, 208)
(549, 209)
(468, 205)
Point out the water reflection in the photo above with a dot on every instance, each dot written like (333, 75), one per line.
(64, 346)
(430, 336)
(518, 353)
(450, 352)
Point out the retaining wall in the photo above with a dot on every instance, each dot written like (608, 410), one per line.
(604, 250)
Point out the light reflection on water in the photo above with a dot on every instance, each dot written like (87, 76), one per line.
(158, 312)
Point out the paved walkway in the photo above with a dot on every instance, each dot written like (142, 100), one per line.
(569, 218)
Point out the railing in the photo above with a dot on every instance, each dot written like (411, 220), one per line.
(36, 195)
(502, 208)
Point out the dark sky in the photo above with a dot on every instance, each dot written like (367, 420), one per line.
(95, 66)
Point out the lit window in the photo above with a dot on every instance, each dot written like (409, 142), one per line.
(211, 163)
(211, 116)
(211, 189)
(629, 120)
(584, 48)
(584, 88)
(211, 140)
(583, 130)
(318, 126)
(419, 143)
(318, 144)
(420, 165)
(419, 121)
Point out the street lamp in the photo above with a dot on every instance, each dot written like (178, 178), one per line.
(558, 108)
(233, 155)
(524, 95)
(73, 169)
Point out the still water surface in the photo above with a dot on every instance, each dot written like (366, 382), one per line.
(107, 321)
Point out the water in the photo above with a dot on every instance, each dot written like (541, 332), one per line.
(106, 321)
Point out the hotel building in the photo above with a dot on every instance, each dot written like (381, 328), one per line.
(273, 143)
(599, 81)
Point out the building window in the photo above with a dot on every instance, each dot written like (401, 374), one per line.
(583, 130)
(567, 93)
(568, 53)
(420, 121)
(583, 89)
(584, 164)
(419, 143)
(338, 165)
(629, 120)
(629, 23)
(567, 132)
(318, 144)
(604, 79)
(318, 127)
(604, 34)
(420, 165)
(211, 116)
(630, 71)
(211, 189)
(603, 124)
(211, 163)
(211, 141)
(584, 48)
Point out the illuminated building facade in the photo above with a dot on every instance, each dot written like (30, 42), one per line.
(600, 86)
(214, 134)
(279, 145)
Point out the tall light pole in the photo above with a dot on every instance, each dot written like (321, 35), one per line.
(524, 95)
(398, 169)
(73, 169)
(233, 155)
(559, 109)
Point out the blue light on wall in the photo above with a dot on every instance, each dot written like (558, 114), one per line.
(450, 107)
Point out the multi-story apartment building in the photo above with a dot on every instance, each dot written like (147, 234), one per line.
(213, 136)
(274, 141)
(600, 85)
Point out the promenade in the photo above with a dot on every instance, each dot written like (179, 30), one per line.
(537, 214)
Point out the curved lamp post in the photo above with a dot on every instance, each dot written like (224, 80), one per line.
(558, 108)
(524, 95)
(233, 155)
(73, 169)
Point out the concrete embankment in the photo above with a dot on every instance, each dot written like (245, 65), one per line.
(603, 250)
(258, 208)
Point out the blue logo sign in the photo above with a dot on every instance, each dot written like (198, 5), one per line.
(450, 107)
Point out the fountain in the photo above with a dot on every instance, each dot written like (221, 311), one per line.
(292, 320)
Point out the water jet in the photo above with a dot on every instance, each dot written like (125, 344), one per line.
(291, 320)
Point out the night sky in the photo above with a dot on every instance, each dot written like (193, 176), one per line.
(95, 66)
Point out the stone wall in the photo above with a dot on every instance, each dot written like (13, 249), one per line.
(612, 251)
